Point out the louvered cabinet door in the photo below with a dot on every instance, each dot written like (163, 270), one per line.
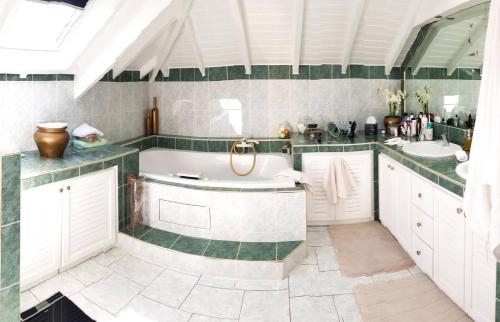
(449, 245)
(89, 217)
(357, 207)
(41, 213)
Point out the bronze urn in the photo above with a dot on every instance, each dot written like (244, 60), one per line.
(391, 121)
(51, 139)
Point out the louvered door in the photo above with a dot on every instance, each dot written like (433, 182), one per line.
(357, 207)
(89, 219)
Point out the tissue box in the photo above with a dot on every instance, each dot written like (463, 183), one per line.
(371, 129)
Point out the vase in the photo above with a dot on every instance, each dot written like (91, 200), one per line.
(51, 139)
(391, 121)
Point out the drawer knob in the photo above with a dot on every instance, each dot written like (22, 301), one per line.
(418, 253)
(61, 190)
(460, 211)
(388, 166)
(419, 224)
(68, 188)
(419, 195)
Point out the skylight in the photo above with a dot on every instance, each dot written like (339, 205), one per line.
(36, 25)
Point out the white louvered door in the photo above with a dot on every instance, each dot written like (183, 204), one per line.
(89, 217)
(357, 207)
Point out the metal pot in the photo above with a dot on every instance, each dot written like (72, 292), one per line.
(51, 139)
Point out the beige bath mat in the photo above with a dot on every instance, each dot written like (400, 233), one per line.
(410, 299)
(367, 249)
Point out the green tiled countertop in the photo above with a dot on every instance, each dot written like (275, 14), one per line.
(439, 170)
(222, 249)
(33, 165)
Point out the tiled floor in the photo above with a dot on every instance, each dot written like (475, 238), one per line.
(118, 287)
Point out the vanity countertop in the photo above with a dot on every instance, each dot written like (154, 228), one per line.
(33, 165)
(439, 170)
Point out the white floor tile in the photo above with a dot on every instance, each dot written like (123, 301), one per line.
(112, 293)
(262, 285)
(307, 280)
(90, 272)
(92, 310)
(109, 257)
(27, 301)
(209, 280)
(64, 283)
(144, 309)
(221, 303)
(204, 318)
(171, 288)
(313, 309)
(317, 228)
(137, 270)
(272, 306)
(327, 260)
(391, 276)
(347, 308)
(311, 258)
(318, 238)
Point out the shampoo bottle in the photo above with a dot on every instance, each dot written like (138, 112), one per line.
(468, 141)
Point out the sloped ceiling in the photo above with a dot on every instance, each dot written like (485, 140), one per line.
(154, 35)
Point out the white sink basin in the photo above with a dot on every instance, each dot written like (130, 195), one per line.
(431, 149)
(463, 170)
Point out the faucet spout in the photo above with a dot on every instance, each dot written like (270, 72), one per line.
(446, 142)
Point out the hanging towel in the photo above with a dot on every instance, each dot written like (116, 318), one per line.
(338, 181)
(298, 176)
(84, 130)
(482, 190)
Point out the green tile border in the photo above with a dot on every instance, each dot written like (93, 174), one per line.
(219, 249)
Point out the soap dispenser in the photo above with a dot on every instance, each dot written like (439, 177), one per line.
(468, 141)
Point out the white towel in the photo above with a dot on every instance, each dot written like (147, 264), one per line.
(298, 176)
(482, 190)
(338, 181)
(84, 130)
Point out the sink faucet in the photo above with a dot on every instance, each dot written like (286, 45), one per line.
(446, 142)
(247, 142)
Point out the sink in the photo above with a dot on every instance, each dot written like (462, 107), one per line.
(431, 149)
(463, 169)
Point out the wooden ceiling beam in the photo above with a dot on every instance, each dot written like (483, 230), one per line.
(194, 42)
(241, 30)
(299, 26)
(356, 15)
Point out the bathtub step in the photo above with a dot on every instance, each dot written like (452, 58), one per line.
(231, 259)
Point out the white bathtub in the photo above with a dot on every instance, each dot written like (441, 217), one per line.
(214, 168)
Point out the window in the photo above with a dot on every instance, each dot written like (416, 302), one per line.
(37, 25)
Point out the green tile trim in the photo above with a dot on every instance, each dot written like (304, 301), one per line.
(222, 249)
(10, 251)
(190, 245)
(160, 237)
(257, 251)
(9, 304)
(11, 190)
(286, 248)
(65, 174)
(37, 181)
(91, 168)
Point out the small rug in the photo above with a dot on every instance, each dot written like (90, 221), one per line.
(410, 299)
(367, 249)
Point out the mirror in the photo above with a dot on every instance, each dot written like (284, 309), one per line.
(446, 61)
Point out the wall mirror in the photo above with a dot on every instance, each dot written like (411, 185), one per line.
(447, 59)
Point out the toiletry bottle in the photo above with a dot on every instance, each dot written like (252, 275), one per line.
(429, 132)
(468, 141)
(148, 127)
(413, 127)
(469, 121)
(456, 121)
(154, 117)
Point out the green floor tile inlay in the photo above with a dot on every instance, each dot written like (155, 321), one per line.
(223, 249)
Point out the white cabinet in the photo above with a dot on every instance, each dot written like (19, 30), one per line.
(65, 223)
(449, 245)
(89, 223)
(358, 207)
(480, 277)
(41, 215)
(395, 199)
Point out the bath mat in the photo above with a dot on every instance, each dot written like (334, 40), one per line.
(367, 249)
(410, 299)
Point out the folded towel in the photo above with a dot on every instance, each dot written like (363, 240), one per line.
(298, 176)
(396, 141)
(85, 130)
(79, 144)
(338, 181)
(461, 155)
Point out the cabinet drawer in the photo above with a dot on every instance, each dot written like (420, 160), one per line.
(422, 225)
(422, 194)
(421, 254)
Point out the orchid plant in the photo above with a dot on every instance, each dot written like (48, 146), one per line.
(424, 96)
(392, 98)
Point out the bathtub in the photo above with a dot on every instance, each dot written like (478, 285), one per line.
(250, 210)
(213, 169)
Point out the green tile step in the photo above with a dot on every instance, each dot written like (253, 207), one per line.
(221, 249)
